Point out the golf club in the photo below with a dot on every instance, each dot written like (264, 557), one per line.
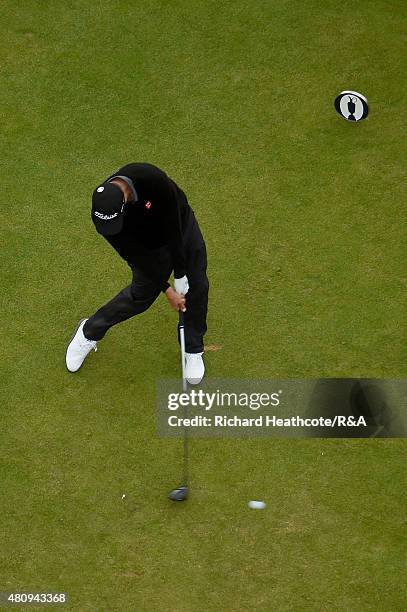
(181, 492)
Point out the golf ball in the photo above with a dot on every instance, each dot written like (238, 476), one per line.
(124, 496)
(257, 505)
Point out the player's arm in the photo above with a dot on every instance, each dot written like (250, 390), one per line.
(172, 217)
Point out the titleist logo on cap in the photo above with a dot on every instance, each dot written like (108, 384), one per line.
(105, 217)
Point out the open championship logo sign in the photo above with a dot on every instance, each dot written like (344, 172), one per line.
(352, 106)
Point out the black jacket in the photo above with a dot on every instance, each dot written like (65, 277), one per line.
(157, 218)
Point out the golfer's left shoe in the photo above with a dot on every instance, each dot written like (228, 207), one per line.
(78, 348)
(194, 368)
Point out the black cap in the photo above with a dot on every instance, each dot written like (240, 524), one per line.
(107, 209)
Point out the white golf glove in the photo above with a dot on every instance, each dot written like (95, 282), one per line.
(181, 285)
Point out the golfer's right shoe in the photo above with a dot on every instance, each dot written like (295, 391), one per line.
(194, 368)
(78, 348)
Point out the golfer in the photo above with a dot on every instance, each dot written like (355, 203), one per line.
(146, 218)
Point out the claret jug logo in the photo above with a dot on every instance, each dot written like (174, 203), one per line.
(352, 106)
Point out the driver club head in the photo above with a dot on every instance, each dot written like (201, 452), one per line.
(179, 494)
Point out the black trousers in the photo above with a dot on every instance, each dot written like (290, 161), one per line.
(144, 290)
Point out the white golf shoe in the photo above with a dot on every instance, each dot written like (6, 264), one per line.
(78, 348)
(194, 368)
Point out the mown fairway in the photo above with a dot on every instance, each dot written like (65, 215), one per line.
(302, 215)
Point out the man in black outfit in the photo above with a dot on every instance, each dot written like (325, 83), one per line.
(146, 217)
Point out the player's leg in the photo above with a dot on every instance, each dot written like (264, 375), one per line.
(132, 300)
(197, 304)
(196, 301)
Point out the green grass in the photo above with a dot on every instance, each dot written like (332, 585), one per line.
(303, 218)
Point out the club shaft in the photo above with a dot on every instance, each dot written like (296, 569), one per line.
(182, 343)
(184, 388)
